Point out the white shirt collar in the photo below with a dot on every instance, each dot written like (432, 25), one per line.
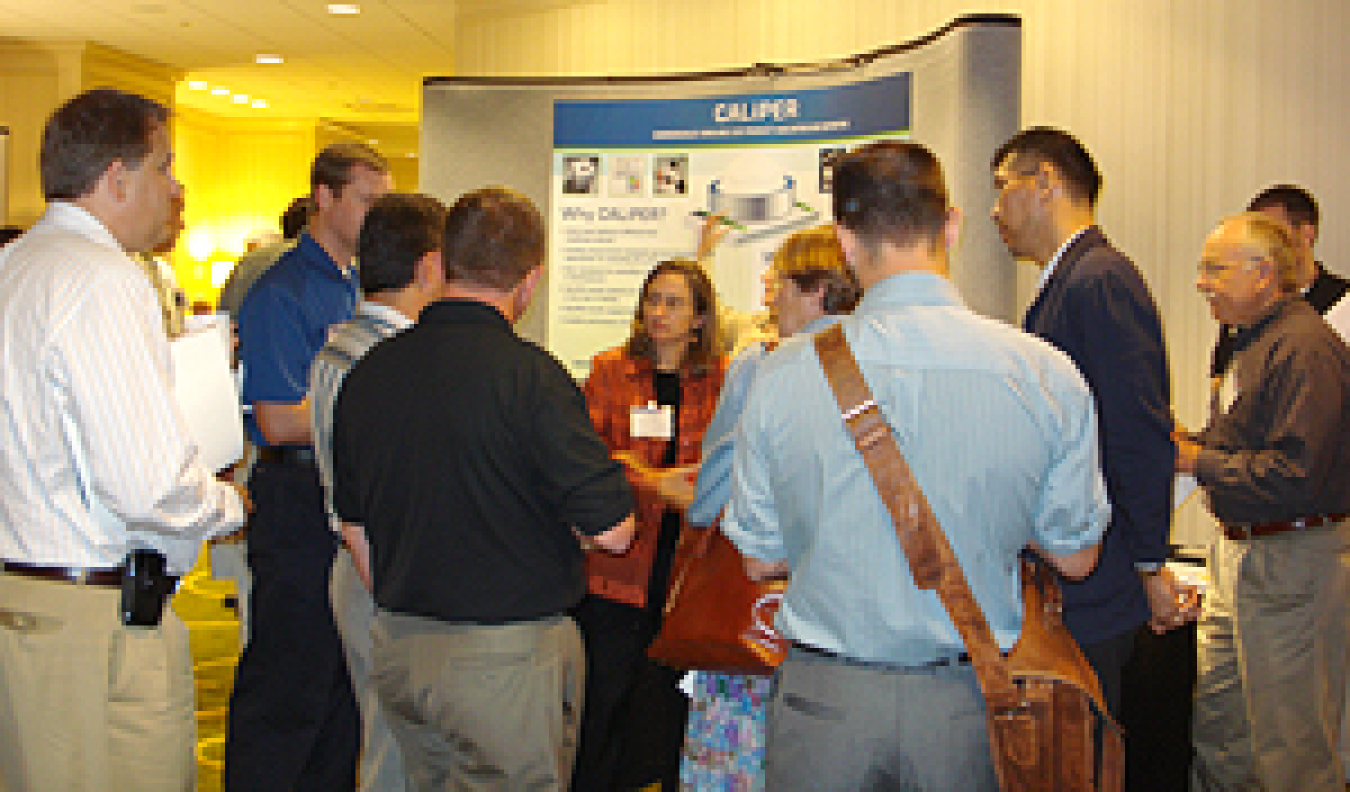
(381, 311)
(80, 220)
(1054, 260)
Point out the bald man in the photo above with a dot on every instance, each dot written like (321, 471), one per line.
(1275, 468)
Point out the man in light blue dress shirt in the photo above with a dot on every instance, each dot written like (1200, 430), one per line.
(1000, 431)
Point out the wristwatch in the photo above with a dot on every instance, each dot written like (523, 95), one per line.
(1148, 568)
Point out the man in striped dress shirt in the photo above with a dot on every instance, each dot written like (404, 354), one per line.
(95, 462)
(399, 253)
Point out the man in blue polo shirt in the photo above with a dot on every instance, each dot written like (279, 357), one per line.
(293, 718)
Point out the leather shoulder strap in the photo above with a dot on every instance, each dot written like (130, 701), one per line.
(931, 558)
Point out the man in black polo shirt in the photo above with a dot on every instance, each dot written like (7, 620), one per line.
(467, 455)
(1275, 467)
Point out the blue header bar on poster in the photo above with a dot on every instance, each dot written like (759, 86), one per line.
(873, 107)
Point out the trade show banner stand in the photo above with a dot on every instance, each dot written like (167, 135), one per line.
(626, 169)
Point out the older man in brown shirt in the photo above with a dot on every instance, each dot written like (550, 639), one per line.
(1275, 467)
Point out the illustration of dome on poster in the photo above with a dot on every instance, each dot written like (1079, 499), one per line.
(758, 199)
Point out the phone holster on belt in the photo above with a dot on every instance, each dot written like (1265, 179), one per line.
(146, 586)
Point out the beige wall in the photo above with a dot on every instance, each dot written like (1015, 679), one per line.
(1190, 106)
(35, 78)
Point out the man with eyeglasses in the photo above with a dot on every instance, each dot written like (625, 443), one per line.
(1275, 469)
(1296, 208)
(1093, 303)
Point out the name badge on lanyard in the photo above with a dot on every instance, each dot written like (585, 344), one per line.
(655, 421)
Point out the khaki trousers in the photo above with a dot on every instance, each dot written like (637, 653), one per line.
(481, 707)
(1273, 638)
(87, 703)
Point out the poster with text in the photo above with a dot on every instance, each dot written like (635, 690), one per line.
(634, 180)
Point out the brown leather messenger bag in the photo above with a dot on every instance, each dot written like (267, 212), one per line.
(1047, 727)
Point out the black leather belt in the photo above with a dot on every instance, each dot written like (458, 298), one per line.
(1240, 532)
(287, 455)
(815, 651)
(89, 577)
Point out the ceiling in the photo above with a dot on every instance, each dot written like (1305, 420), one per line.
(359, 71)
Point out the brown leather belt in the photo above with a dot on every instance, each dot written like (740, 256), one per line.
(1240, 532)
(88, 577)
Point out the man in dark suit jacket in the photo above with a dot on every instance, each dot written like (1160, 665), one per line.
(1094, 305)
(1296, 208)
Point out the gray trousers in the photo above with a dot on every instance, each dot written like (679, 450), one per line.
(354, 613)
(1272, 666)
(481, 707)
(833, 725)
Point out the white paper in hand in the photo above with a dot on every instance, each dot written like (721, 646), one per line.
(1183, 487)
(205, 388)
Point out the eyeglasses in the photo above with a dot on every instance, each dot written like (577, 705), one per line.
(1216, 270)
(1006, 180)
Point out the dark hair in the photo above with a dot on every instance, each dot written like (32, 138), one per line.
(1297, 203)
(1060, 150)
(699, 358)
(494, 236)
(333, 167)
(891, 192)
(296, 217)
(89, 133)
(9, 234)
(399, 229)
(812, 259)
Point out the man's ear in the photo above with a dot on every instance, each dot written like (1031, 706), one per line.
(323, 198)
(848, 242)
(114, 181)
(1269, 275)
(429, 272)
(1048, 182)
(525, 290)
(951, 227)
(1308, 232)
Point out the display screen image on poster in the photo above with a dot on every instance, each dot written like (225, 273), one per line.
(634, 180)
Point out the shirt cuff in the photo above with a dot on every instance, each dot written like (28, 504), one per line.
(1207, 464)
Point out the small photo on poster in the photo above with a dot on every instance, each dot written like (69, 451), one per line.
(670, 175)
(581, 175)
(828, 157)
(627, 175)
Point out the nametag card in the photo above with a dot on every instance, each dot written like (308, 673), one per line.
(655, 421)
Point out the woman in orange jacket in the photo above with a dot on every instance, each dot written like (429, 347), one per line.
(651, 400)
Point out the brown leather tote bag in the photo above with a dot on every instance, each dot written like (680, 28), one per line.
(716, 618)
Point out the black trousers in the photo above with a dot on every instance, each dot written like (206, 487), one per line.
(1108, 658)
(1158, 691)
(632, 722)
(1149, 684)
(633, 718)
(293, 722)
